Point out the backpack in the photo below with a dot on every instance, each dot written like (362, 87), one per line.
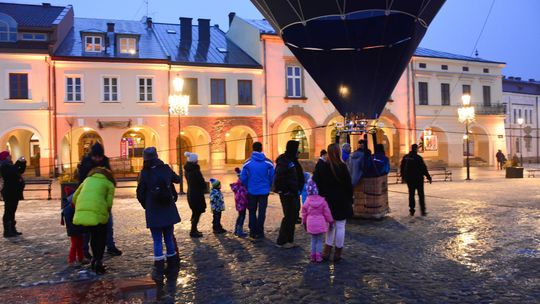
(161, 191)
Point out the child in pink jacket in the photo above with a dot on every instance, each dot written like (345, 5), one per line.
(316, 217)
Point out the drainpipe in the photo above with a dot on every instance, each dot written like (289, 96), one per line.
(169, 116)
(265, 103)
(55, 124)
(537, 131)
(49, 108)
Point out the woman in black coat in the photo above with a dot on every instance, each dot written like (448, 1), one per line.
(157, 195)
(12, 191)
(195, 193)
(334, 182)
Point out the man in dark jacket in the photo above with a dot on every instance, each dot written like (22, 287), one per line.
(288, 182)
(12, 191)
(413, 169)
(96, 158)
(197, 187)
(257, 175)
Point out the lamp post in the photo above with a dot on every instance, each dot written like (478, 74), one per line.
(466, 115)
(179, 105)
(520, 123)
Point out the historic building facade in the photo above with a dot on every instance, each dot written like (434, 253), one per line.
(521, 98)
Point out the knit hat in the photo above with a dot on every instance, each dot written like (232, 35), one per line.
(150, 153)
(312, 188)
(191, 157)
(97, 150)
(215, 183)
(4, 155)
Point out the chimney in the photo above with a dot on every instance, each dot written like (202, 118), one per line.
(185, 29)
(110, 27)
(46, 4)
(204, 30)
(149, 22)
(518, 78)
(532, 80)
(511, 77)
(231, 17)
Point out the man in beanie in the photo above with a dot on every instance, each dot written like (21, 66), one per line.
(195, 193)
(288, 182)
(218, 205)
(12, 191)
(257, 175)
(96, 158)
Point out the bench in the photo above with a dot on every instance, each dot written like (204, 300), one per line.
(394, 174)
(442, 172)
(126, 182)
(39, 182)
(532, 172)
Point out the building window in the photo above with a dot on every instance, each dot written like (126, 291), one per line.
(530, 117)
(191, 89)
(299, 135)
(515, 117)
(422, 65)
(245, 92)
(217, 91)
(294, 82)
(18, 86)
(110, 89)
(445, 94)
(487, 96)
(93, 44)
(73, 89)
(128, 46)
(526, 116)
(444, 67)
(34, 37)
(486, 71)
(423, 93)
(8, 29)
(465, 69)
(466, 89)
(146, 92)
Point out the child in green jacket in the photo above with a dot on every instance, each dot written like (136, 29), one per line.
(93, 202)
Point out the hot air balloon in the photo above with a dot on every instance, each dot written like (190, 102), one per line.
(355, 50)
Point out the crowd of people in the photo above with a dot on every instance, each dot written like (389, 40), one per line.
(325, 207)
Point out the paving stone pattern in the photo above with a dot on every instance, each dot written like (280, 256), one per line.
(479, 244)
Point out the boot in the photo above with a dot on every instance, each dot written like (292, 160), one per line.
(158, 271)
(195, 233)
(337, 254)
(13, 229)
(240, 232)
(8, 230)
(326, 252)
(99, 268)
(173, 262)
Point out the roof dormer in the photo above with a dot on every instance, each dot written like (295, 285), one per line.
(8, 28)
(127, 44)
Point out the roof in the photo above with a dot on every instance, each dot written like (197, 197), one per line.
(28, 15)
(149, 46)
(264, 27)
(219, 51)
(516, 85)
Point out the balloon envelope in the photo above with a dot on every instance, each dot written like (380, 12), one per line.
(356, 50)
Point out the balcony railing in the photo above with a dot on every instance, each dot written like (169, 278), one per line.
(496, 109)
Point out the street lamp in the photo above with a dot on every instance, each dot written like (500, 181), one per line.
(466, 115)
(179, 105)
(520, 123)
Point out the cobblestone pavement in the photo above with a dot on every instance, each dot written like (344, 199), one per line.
(479, 244)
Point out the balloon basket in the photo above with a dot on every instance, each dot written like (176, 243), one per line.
(370, 199)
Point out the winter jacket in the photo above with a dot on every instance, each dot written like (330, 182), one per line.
(304, 193)
(413, 169)
(382, 164)
(196, 187)
(345, 155)
(240, 196)
(87, 164)
(93, 199)
(257, 174)
(158, 215)
(336, 189)
(13, 181)
(216, 200)
(356, 166)
(316, 214)
(68, 211)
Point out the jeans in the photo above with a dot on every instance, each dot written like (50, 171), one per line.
(317, 242)
(240, 220)
(291, 209)
(336, 234)
(416, 186)
(216, 221)
(158, 236)
(98, 237)
(256, 223)
(10, 207)
(109, 238)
